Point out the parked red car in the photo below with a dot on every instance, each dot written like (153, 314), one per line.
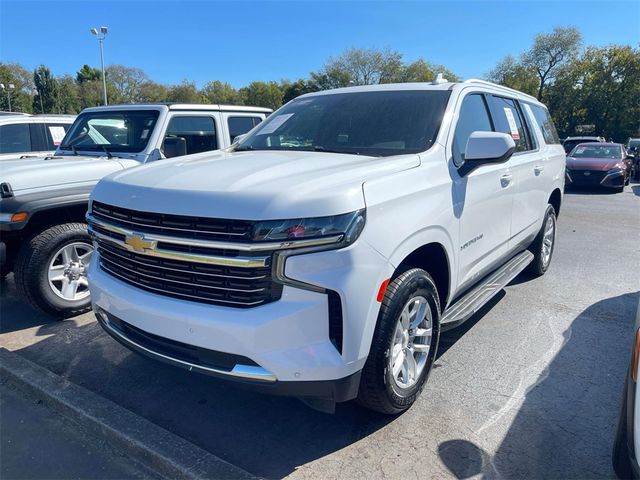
(599, 165)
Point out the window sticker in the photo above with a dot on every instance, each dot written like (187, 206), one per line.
(144, 134)
(275, 124)
(579, 150)
(57, 134)
(512, 123)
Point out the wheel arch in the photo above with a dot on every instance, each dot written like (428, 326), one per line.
(555, 199)
(433, 258)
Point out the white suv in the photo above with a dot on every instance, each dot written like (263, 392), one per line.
(322, 255)
(23, 135)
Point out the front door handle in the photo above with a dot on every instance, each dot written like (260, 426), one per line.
(505, 180)
(538, 169)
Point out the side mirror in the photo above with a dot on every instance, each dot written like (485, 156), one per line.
(486, 147)
(174, 147)
(238, 139)
(631, 156)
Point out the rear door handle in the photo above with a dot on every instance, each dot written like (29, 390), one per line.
(505, 180)
(538, 169)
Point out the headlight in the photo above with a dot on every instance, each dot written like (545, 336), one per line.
(615, 171)
(346, 228)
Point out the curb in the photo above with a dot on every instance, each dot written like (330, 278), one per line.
(155, 448)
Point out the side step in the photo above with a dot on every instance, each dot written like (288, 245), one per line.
(473, 300)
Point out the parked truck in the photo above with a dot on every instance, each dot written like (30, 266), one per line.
(43, 201)
(324, 253)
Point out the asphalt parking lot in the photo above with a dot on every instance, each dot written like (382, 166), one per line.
(529, 387)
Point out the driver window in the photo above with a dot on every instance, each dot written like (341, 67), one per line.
(199, 133)
(474, 117)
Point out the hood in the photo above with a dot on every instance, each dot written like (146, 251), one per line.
(587, 163)
(256, 185)
(31, 174)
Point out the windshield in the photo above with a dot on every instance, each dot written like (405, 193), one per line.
(596, 151)
(115, 131)
(379, 123)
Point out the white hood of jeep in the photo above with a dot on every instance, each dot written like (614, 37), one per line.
(38, 173)
(256, 185)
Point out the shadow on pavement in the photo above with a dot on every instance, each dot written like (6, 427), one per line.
(268, 436)
(16, 314)
(570, 412)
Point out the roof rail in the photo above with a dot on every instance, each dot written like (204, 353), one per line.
(491, 84)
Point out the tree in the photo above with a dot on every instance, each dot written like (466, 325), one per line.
(185, 92)
(421, 71)
(515, 74)
(297, 88)
(359, 66)
(262, 94)
(21, 95)
(126, 82)
(153, 92)
(87, 74)
(550, 51)
(221, 93)
(69, 95)
(46, 98)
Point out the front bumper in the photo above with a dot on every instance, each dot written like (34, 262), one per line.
(282, 347)
(590, 178)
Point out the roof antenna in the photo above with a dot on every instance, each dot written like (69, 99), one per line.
(439, 80)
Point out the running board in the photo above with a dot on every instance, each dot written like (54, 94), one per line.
(473, 300)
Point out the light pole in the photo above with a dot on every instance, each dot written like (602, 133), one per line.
(8, 88)
(101, 36)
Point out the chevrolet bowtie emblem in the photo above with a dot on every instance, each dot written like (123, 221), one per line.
(138, 243)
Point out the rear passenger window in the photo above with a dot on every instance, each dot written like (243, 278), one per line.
(15, 138)
(508, 119)
(545, 123)
(55, 134)
(241, 125)
(474, 117)
(199, 133)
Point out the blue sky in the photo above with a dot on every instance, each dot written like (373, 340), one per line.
(242, 41)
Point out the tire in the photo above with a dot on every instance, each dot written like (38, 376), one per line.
(379, 389)
(42, 253)
(542, 257)
(621, 461)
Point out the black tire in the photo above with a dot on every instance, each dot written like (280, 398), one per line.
(378, 390)
(539, 266)
(31, 270)
(621, 461)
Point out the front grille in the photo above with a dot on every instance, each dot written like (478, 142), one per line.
(174, 225)
(161, 269)
(580, 177)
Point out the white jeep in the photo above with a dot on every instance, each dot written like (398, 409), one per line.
(323, 254)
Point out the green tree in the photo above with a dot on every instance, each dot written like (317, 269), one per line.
(126, 83)
(21, 94)
(422, 71)
(364, 66)
(69, 95)
(291, 90)
(222, 93)
(513, 73)
(262, 94)
(46, 85)
(87, 74)
(185, 92)
(153, 92)
(550, 51)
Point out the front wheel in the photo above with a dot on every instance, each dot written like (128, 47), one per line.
(50, 270)
(404, 344)
(544, 244)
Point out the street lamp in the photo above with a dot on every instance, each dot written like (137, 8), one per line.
(10, 86)
(101, 36)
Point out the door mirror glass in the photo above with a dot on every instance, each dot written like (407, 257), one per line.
(174, 147)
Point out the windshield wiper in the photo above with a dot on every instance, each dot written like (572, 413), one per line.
(243, 149)
(318, 148)
(109, 155)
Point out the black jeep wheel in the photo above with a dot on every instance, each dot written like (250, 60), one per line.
(50, 270)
